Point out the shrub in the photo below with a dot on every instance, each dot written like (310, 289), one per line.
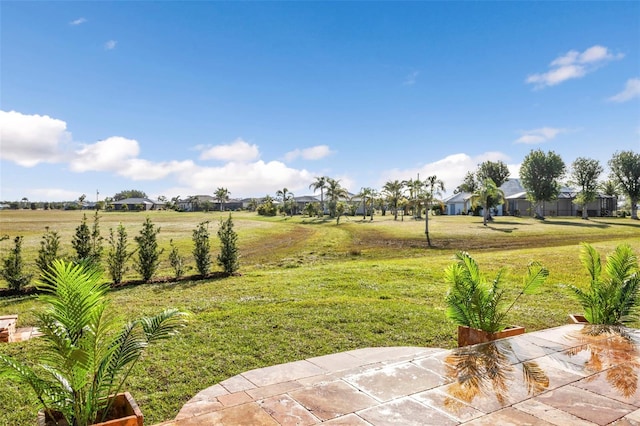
(229, 255)
(148, 251)
(201, 248)
(87, 242)
(267, 209)
(48, 251)
(612, 298)
(12, 267)
(118, 254)
(176, 260)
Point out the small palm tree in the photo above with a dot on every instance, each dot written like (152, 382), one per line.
(335, 193)
(394, 191)
(88, 356)
(320, 183)
(434, 186)
(222, 196)
(488, 194)
(474, 302)
(611, 299)
(287, 198)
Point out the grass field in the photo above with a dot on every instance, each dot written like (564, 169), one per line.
(309, 288)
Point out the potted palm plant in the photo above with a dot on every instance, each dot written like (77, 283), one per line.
(477, 306)
(612, 297)
(88, 354)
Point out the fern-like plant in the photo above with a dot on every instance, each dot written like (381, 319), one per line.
(474, 302)
(612, 298)
(88, 354)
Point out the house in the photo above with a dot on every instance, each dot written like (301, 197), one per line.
(517, 203)
(137, 204)
(196, 203)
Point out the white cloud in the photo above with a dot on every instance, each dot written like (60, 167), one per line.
(573, 64)
(631, 91)
(314, 153)
(109, 154)
(78, 21)
(410, 79)
(238, 150)
(244, 179)
(119, 155)
(110, 45)
(541, 135)
(31, 139)
(451, 169)
(53, 194)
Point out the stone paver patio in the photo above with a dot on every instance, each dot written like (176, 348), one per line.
(569, 375)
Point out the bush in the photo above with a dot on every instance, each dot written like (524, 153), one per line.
(48, 252)
(148, 251)
(118, 254)
(12, 267)
(201, 249)
(176, 260)
(267, 209)
(229, 256)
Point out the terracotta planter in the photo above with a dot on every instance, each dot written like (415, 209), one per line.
(577, 319)
(471, 336)
(124, 412)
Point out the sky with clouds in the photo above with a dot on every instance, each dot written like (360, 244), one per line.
(180, 98)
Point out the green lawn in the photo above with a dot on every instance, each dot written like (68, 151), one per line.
(309, 288)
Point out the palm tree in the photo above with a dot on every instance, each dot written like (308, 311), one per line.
(394, 191)
(222, 196)
(194, 202)
(485, 195)
(335, 192)
(366, 194)
(286, 196)
(320, 183)
(415, 187)
(434, 186)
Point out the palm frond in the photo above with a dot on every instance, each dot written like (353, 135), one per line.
(590, 258)
(163, 325)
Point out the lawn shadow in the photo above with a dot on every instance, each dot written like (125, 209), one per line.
(505, 230)
(582, 224)
(316, 221)
(634, 223)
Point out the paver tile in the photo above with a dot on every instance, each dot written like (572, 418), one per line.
(272, 390)
(348, 420)
(620, 382)
(508, 417)
(336, 362)
(395, 381)
(283, 373)
(210, 394)
(197, 408)
(287, 412)
(451, 406)
(390, 354)
(586, 405)
(406, 412)
(550, 414)
(331, 400)
(237, 383)
(234, 399)
(245, 414)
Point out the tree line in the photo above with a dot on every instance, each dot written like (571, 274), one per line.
(88, 245)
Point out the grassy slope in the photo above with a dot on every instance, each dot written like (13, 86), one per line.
(310, 288)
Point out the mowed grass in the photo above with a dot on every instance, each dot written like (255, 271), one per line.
(310, 288)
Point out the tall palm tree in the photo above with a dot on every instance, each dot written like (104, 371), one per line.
(286, 196)
(487, 193)
(320, 183)
(393, 191)
(434, 186)
(222, 196)
(335, 192)
(415, 187)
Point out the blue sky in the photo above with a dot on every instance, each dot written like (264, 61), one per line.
(179, 98)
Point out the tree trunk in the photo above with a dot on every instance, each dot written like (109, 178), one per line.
(321, 203)
(585, 214)
(426, 228)
(634, 209)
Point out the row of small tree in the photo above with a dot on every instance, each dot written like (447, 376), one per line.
(88, 246)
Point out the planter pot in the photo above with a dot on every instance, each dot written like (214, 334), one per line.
(124, 412)
(577, 319)
(471, 336)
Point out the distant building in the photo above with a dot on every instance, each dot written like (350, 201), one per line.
(137, 204)
(518, 205)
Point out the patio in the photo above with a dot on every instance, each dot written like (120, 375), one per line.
(568, 375)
